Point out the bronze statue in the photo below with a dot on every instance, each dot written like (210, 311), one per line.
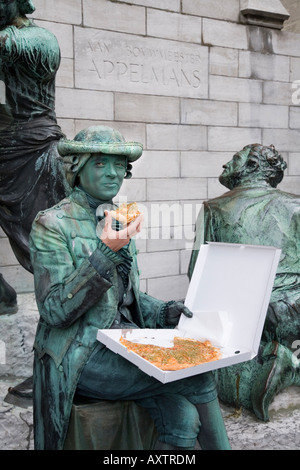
(255, 212)
(31, 171)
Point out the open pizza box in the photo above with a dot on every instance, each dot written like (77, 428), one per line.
(228, 294)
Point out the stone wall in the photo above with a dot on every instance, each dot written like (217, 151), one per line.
(194, 85)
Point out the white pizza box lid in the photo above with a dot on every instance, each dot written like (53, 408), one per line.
(229, 294)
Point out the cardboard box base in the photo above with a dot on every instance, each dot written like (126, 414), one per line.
(111, 338)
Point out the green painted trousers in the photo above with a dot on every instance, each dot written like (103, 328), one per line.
(182, 411)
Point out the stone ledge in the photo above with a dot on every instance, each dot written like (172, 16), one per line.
(267, 13)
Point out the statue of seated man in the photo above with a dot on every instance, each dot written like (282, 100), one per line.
(255, 212)
(86, 278)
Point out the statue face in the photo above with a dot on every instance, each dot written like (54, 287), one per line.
(102, 175)
(235, 170)
(8, 11)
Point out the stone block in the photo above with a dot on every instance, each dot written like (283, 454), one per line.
(278, 93)
(68, 11)
(176, 137)
(290, 184)
(158, 264)
(294, 117)
(170, 238)
(232, 139)
(285, 140)
(168, 288)
(295, 69)
(203, 164)
(65, 74)
(185, 256)
(146, 108)
(157, 164)
(285, 43)
(171, 5)
(68, 127)
(214, 188)
(83, 104)
(7, 256)
(176, 188)
(262, 115)
(134, 64)
(161, 214)
(235, 89)
(222, 9)
(223, 61)
(294, 164)
(133, 190)
(224, 34)
(174, 26)
(208, 113)
(263, 66)
(104, 14)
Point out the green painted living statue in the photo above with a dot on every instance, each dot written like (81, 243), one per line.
(86, 278)
(255, 212)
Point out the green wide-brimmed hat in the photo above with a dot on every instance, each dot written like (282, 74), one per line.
(95, 139)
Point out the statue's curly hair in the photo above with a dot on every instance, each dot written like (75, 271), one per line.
(271, 162)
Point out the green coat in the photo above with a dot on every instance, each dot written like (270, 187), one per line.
(74, 300)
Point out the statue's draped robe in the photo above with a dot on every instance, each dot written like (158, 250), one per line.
(31, 172)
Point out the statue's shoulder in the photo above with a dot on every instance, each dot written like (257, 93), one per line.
(57, 211)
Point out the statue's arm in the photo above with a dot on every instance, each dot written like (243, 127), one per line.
(63, 292)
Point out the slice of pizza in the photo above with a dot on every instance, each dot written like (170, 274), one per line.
(126, 213)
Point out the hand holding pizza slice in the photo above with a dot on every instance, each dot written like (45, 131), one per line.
(126, 213)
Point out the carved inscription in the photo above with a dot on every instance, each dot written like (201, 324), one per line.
(121, 62)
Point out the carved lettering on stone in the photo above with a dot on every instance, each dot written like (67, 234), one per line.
(121, 62)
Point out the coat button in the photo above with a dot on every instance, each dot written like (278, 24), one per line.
(70, 295)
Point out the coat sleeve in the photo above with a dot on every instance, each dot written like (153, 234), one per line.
(63, 292)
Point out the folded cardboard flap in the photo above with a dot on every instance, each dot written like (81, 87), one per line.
(213, 326)
(237, 279)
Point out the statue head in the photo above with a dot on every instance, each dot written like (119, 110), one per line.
(95, 143)
(253, 164)
(12, 9)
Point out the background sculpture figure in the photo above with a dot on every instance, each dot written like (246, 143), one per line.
(32, 177)
(31, 172)
(253, 211)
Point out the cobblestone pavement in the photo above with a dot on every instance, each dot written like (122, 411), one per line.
(245, 432)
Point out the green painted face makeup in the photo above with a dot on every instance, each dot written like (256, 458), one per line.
(102, 175)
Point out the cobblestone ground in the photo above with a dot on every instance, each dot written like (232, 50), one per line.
(245, 432)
